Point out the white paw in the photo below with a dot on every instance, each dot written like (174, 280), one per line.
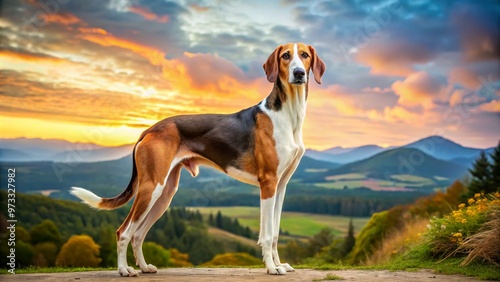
(149, 269)
(127, 271)
(276, 271)
(287, 267)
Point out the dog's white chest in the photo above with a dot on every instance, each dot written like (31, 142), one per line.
(287, 133)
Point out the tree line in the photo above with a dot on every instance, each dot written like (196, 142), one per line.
(44, 225)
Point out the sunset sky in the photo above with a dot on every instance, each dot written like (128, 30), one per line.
(103, 71)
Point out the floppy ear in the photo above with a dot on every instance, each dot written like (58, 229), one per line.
(271, 66)
(318, 67)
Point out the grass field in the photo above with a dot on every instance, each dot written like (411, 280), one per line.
(347, 176)
(296, 223)
(400, 182)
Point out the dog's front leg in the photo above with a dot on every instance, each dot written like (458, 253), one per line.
(267, 205)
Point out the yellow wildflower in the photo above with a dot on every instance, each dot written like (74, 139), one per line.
(458, 234)
(471, 201)
(462, 205)
(477, 195)
(464, 220)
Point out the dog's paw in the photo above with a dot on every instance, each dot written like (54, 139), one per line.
(127, 271)
(149, 269)
(287, 267)
(277, 271)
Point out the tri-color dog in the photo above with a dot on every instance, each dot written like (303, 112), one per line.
(261, 145)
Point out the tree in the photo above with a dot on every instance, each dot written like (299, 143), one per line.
(218, 220)
(495, 168)
(155, 254)
(319, 241)
(22, 234)
(349, 241)
(24, 254)
(45, 231)
(79, 250)
(45, 254)
(179, 259)
(480, 176)
(211, 219)
(107, 241)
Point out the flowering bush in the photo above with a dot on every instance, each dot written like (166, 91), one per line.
(445, 235)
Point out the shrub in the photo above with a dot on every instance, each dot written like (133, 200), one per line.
(447, 235)
(484, 245)
(79, 251)
(398, 242)
(233, 259)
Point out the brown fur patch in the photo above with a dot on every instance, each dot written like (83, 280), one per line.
(266, 158)
(154, 157)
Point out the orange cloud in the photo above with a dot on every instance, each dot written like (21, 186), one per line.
(92, 30)
(103, 38)
(493, 106)
(392, 58)
(419, 89)
(147, 14)
(62, 18)
(31, 57)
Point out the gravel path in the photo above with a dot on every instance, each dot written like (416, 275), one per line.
(239, 274)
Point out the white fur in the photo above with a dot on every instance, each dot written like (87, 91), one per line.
(266, 235)
(294, 64)
(86, 196)
(243, 176)
(288, 128)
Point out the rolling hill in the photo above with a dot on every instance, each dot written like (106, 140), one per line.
(445, 149)
(435, 146)
(400, 161)
(27, 150)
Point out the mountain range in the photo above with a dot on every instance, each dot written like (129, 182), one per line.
(53, 166)
(435, 146)
(27, 150)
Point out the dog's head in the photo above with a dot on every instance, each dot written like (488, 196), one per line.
(292, 62)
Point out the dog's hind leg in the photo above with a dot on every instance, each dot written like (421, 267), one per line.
(155, 159)
(131, 223)
(158, 209)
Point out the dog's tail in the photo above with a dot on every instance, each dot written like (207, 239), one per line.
(97, 202)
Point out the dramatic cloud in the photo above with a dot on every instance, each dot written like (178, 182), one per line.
(419, 89)
(396, 70)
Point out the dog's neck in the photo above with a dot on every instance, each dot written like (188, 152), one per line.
(289, 100)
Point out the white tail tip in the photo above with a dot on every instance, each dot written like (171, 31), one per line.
(86, 196)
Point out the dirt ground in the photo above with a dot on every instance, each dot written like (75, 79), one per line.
(238, 274)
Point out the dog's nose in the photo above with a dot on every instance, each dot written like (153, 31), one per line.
(299, 73)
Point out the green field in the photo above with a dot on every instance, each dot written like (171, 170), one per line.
(296, 223)
(400, 182)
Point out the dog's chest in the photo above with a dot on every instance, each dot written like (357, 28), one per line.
(287, 133)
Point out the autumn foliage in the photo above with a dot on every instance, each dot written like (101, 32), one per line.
(79, 251)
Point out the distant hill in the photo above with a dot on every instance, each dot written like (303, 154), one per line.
(402, 161)
(435, 146)
(345, 155)
(358, 153)
(14, 155)
(444, 149)
(338, 150)
(26, 149)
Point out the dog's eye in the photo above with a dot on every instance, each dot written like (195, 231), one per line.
(305, 55)
(285, 56)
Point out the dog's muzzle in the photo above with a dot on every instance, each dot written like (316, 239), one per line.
(299, 76)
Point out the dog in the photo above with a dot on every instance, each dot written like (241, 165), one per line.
(261, 145)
